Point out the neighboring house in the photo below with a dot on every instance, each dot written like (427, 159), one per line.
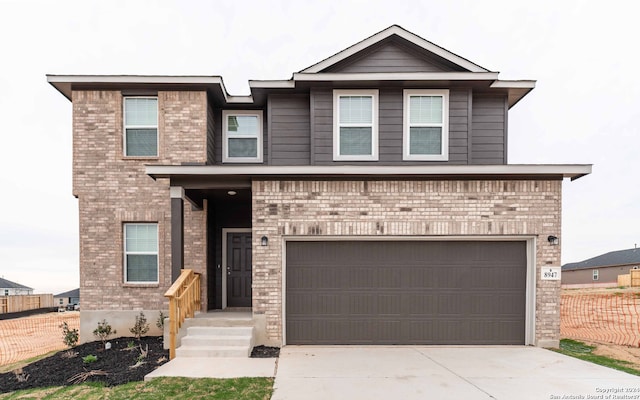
(8, 288)
(602, 270)
(71, 297)
(367, 199)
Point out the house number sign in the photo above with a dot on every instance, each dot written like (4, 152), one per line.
(550, 273)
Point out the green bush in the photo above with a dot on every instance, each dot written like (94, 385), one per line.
(140, 327)
(103, 331)
(89, 359)
(69, 336)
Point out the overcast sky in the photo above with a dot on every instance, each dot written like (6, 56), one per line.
(585, 107)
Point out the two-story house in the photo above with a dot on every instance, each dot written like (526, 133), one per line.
(366, 200)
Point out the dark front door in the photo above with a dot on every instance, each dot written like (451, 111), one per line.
(239, 269)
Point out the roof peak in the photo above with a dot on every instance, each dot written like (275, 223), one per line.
(395, 30)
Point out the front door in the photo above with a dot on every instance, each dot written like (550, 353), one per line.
(239, 269)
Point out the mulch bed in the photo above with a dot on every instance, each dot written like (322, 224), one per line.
(265, 352)
(117, 364)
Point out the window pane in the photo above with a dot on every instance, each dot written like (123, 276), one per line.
(355, 141)
(242, 125)
(243, 147)
(142, 142)
(141, 238)
(355, 109)
(425, 109)
(141, 112)
(142, 267)
(425, 141)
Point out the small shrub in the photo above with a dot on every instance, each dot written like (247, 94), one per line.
(140, 327)
(160, 321)
(103, 331)
(69, 336)
(131, 345)
(89, 359)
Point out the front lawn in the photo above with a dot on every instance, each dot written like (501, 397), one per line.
(158, 388)
(584, 352)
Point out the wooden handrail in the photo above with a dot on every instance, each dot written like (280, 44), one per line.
(184, 301)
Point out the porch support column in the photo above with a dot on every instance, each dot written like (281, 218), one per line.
(177, 231)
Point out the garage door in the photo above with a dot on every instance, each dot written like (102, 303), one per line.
(405, 292)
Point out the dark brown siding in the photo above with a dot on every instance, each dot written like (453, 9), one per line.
(289, 129)
(393, 56)
(367, 292)
(489, 130)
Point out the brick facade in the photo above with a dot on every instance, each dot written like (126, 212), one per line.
(113, 189)
(528, 208)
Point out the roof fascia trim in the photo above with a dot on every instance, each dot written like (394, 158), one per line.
(573, 171)
(397, 76)
(63, 83)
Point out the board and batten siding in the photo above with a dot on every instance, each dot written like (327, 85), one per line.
(393, 56)
(489, 127)
(390, 127)
(289, 128)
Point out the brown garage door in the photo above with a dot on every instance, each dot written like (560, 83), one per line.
(405, 292)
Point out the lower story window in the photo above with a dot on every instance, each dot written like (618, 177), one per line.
(595, 274)
(141, 252)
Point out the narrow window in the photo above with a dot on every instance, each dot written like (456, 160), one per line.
(242, 131)
(355, 133)
(426, 125)
(141, 126)
(595, 274)
(141, 253)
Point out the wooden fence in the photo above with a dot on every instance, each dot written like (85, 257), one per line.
(631, 279)
(11, 304)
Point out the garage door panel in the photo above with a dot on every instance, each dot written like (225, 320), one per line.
(405, 292)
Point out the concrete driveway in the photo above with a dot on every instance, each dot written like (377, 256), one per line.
(415, 372)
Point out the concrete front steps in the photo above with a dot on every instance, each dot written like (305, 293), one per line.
(220, 334)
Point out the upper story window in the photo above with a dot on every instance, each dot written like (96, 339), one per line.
(242, 136)
(355, 125)
(426, 125)
(596, 274)
(141, 253)
(141, 126)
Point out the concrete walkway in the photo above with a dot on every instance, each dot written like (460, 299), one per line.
(399, 372)
(193, 367)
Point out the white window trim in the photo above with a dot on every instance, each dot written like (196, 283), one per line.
(125, 252)
(125, 126)
(596, 274)
(225, 147)
(336, 125)
(406, 155)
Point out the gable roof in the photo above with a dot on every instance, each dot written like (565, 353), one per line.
(613, 258)
(402, 33)
(70, 293)
(7, 284)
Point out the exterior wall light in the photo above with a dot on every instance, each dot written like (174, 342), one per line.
(553, 240)
(264, 241)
